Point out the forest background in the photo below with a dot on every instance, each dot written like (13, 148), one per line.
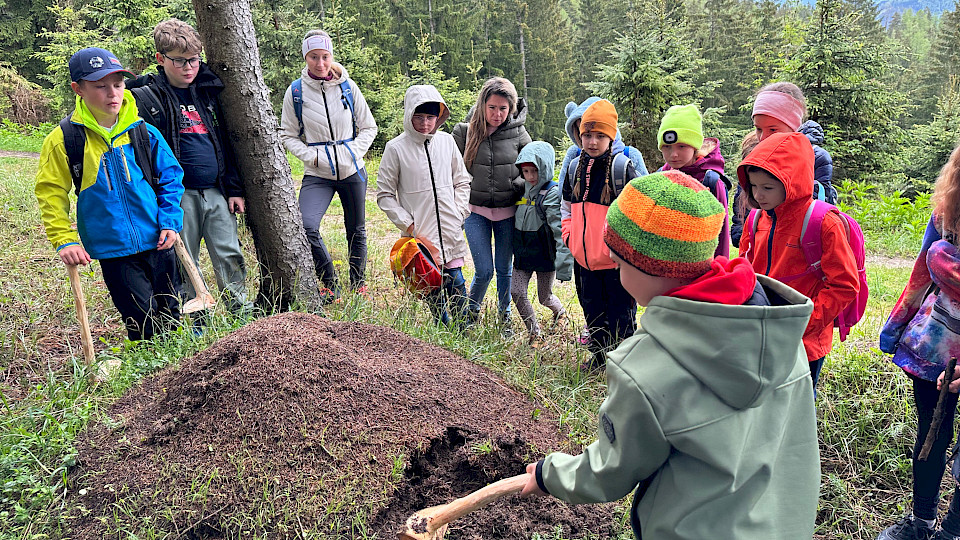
(880, 80)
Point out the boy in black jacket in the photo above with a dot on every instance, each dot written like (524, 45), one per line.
(181, 100)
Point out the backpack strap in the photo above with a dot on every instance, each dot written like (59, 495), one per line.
(140, 138)
(541, 211)
(346, 96)
(296, 91)
(74, 139)
(148, 104)
(620, 163)
(811, 243)
(750, 228)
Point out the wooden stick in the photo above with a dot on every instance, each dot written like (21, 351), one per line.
(938, 412)
(430, 523)
(203, 300)
(81, 305)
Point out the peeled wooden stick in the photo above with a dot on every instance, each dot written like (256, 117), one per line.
(81, 305)
(203, 300)
(938, 412)
(431, 523)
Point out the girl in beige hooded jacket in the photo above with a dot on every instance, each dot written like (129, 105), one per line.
(424, 188)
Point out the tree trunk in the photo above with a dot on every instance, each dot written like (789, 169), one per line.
(523, 51)
(433, 28)
(286, 266)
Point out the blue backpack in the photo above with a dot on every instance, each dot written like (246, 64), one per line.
(346, 97)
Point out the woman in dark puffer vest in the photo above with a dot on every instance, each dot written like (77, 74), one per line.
(490, 140)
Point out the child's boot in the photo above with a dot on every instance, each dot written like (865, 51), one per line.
(909, 527)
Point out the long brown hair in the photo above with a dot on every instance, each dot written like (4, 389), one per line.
(946, 194)
(477, 128)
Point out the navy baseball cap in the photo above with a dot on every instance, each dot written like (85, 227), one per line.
(93, 64)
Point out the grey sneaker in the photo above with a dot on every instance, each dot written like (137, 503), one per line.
(908, 528)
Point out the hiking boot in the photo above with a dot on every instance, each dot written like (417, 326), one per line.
(908, 528)
(328, 296)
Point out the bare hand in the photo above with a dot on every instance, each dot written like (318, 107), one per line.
(531, 489)
(955, 384)
(236, 205)
(167, 239)
(74, 255)
(410, 229)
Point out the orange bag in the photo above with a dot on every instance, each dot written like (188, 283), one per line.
(414, 264)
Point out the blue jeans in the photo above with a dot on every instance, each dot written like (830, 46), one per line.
(450, 301)
(487, 257)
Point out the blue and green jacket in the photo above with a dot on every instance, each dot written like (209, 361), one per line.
(118, 212)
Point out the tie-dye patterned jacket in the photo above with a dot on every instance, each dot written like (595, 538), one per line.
(923, 330)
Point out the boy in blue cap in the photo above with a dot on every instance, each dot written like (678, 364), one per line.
(126, 222)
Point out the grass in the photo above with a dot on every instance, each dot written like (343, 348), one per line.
(864, 407)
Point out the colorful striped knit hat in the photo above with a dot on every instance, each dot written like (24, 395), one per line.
(665, 224)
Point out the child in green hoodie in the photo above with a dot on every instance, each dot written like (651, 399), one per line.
(709, 414)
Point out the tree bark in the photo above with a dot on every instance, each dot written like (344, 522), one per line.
(286, 265)
(523, 50)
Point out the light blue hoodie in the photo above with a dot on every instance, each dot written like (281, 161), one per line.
(528, 220)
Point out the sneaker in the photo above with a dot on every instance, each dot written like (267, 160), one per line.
(327, 297)
(559, 319)
(506, 326)
(584, 337)
(908, 528)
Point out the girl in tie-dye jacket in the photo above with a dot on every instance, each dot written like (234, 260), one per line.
(922, 333)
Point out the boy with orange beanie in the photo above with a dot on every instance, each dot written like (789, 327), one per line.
(588, 190)
(716, 435)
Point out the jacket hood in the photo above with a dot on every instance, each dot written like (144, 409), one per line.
(789, 158)
(543, 156)
(415, 96)
(813, 131)
(741, 372)
(517, 119)
(126, 118)
(205, 79)
(712, 160)
(575, 112)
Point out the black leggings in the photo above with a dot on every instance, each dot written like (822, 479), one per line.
(928, 474)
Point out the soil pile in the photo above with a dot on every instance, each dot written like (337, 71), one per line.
(297, 423)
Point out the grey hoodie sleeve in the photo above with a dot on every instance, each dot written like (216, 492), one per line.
(564, 260)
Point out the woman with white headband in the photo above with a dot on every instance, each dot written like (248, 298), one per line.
(327, 124)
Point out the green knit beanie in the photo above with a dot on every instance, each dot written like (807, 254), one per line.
(681, 124)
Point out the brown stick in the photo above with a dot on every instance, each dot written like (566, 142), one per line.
(203, 300)
(938, 412)
(81, 304)
(430, 523)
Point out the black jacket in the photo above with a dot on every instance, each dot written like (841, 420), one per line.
(205, 90)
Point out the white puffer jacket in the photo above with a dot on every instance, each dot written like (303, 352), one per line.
(404, 188)
(317, 159)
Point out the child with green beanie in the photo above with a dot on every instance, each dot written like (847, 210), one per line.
(685, 149)
(715, 433)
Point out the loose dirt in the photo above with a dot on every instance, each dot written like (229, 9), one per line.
(296, 422)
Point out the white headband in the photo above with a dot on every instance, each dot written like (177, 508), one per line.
(316, 42)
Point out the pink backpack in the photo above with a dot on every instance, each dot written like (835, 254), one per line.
(811, 244)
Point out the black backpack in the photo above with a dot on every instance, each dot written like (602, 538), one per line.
(149, 106)
(75, 138)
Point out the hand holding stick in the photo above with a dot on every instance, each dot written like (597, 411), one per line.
(938, 412)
